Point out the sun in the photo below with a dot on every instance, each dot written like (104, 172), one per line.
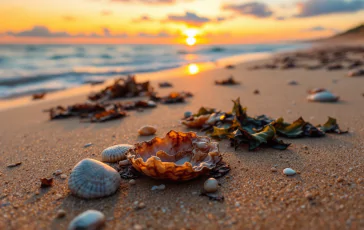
(193, 69)
(191, 41)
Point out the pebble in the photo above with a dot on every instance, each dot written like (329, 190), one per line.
(63, 176)
(187, 114)
(61, 213)
(237, 204)
(159, 187)
(58, 172)
(137, 227)
(308, 195)
(289, 172)
(340, 179)
(152, 103)
(132, 182)
(124, 163)
(91, 219)
(14, 165)
(273, 169)
(211, 185)
(87, 145)
(292, 82)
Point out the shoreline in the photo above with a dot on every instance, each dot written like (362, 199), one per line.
(26, 100)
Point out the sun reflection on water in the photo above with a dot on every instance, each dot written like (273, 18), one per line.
(193, 69)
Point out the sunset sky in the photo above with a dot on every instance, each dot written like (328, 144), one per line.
(170, 21)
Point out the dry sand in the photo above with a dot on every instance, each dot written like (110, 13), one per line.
(255, 197)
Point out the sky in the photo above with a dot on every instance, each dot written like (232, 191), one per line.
(173, 21)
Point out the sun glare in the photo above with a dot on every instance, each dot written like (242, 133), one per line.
(191, 41)
(193, 69)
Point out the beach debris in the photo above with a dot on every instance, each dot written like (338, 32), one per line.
(87, 145)
(165, 84)
(322, 96)
(63, 176)
(211, 185)
(61, 213)
(152, 104)
(46, 182)
(175, 157)
(38, 96)
(355, 64)
(256, 92)
(147, 130)
(158, 187)
(88, 220)
(94, 82)
(172, 98)
(195, 121)
(273, 169)
(124, 163)
(129, 172)
(132, 182)
(292, 82)
(57, 172)
(222, 168)
(260, 131)
(106, 116)
(230, 66)
(14, 164)
(335, 67)
(187, 114)
(229, 81)
(139, 205)
(356, 73)
(331, 126)
(289, 172)
(127, 87)
(115, 153)
(93, 179)
(212, 196)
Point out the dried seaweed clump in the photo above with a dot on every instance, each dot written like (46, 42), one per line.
(261, 131)
(123, 88)
(177, 157)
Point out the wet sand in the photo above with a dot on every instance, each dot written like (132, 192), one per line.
(330, 170)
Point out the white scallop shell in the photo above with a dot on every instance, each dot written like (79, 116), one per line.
(93, 179)
(147, 130)
(115, 153)
(90, 219)
(324, 96)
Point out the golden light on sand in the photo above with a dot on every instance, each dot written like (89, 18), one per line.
(193, 69)
(191, 41)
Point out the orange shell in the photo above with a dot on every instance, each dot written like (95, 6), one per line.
(197, 122)
(178, 156)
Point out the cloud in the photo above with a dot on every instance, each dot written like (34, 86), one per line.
(191, 18)
(161, 34)
(312, 8)
(254, 9)
(320, 28)
(151, 2)
(44, 32)
(106, 12)
(280, 18)
(143, 18)
(69, 18)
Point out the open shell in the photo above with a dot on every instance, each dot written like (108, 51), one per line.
(93, 179)
(178, 156)
(115, 153)
(196, 122)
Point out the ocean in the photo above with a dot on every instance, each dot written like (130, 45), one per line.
(28, 69)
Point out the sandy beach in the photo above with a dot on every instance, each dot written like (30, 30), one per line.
(330, 168)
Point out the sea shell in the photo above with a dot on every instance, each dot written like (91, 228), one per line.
(93, 179)
(289, 172)
(211, 185)
(152, 104)
(147, 130)
(324, 96)
(187, 114)
(89, 220)
(178, 156)
(196, 122)
(356, 73)
(115, 153)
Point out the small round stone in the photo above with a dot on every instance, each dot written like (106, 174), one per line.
(132, 182)
(63, 176)
(61, 213)
(58, 172)
(273, 169)
(159, 187)
(211, 185)
(289, 172)
(88, 220)
(187, 114)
